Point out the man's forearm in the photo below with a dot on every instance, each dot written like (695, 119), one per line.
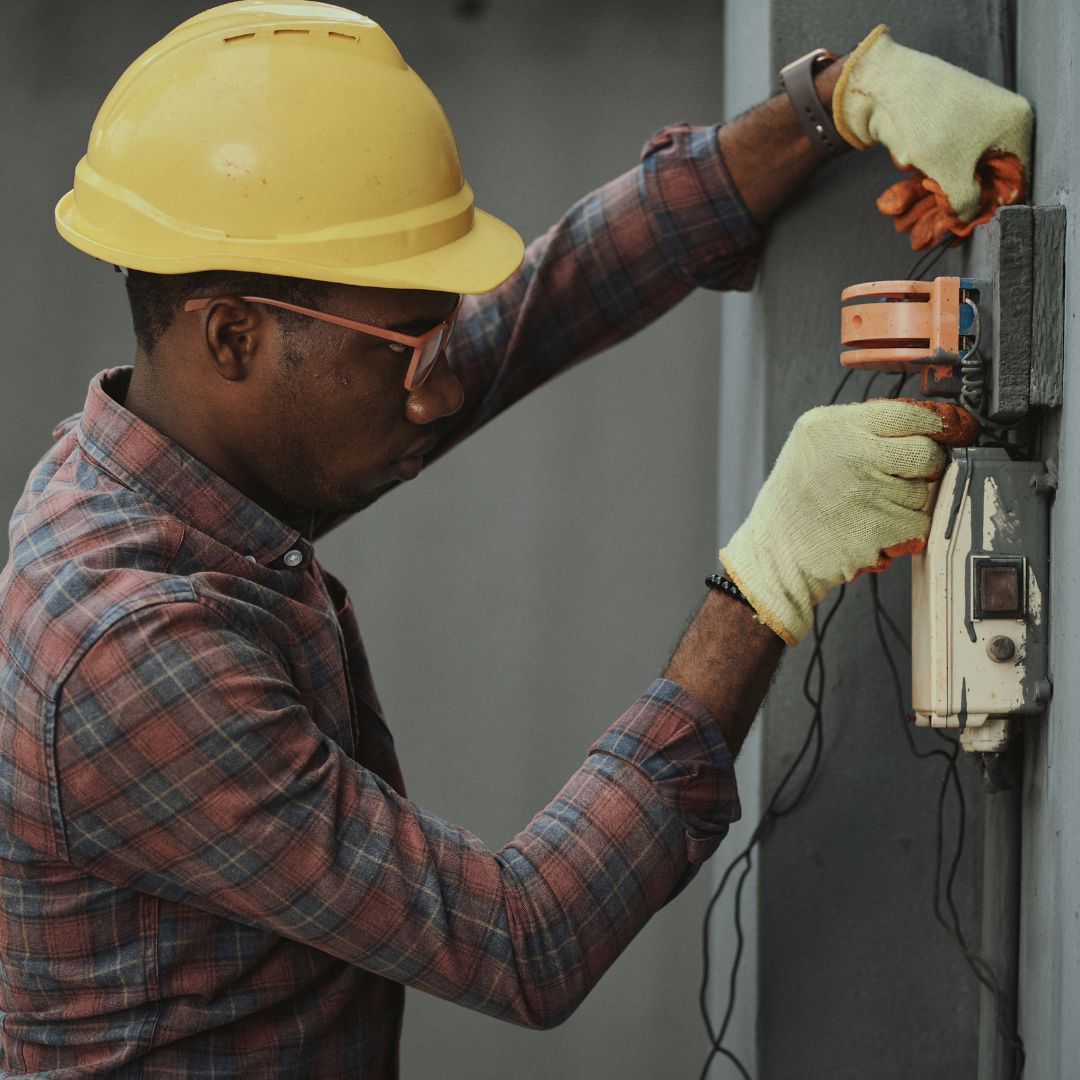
(767, 152)
(726, 659)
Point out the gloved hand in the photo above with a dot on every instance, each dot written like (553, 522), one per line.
(958, 428)
(967, 140)
(850, 482)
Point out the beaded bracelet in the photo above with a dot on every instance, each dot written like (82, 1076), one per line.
(726, 585)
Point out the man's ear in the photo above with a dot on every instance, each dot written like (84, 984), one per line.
(234, 333)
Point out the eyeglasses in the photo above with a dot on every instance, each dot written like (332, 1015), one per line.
(426, 349)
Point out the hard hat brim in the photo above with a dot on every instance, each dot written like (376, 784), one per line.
(476, 262)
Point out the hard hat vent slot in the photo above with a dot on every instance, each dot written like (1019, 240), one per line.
(330, 33)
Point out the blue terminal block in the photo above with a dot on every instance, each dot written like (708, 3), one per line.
(977, 309)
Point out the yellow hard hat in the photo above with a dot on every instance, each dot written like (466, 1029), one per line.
(282, 138)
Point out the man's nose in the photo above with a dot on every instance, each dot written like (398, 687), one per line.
(440, 395)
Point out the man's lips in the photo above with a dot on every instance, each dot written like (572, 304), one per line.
(412, 461)
(421, 448)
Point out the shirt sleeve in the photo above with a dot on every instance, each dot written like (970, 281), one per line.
(187, 767)
(618, 259)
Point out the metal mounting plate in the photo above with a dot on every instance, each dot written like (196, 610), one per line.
(1022, 250)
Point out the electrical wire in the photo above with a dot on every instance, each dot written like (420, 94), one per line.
(815, 672)
(814, 739)
(840, 387)
(929, 259)
(813, 690)
(978, 966)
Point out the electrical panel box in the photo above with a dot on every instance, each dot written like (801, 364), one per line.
(993, 343)
(979, 600)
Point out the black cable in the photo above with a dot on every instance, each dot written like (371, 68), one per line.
(979, 967)
(733, 977)
(772, 813)
(995, 435)
(929, 258)
(840, 386)
(897, 633)
(815, 672)
(901, 382)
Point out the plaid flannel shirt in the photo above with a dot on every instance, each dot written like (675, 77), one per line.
(208, 863)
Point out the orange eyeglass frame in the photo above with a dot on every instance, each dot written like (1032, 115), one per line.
(426, 349)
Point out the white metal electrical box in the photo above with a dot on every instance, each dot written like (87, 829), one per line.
(979, 600)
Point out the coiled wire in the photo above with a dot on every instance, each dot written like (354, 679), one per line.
(973, 368)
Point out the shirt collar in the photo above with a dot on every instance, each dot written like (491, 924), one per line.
(148, 462)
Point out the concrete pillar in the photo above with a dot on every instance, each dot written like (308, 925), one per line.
(854, 976)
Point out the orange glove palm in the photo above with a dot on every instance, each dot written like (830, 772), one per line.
(918, 206)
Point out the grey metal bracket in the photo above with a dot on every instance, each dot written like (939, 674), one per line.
(1022, 250)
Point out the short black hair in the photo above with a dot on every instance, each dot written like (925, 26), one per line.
(156, 299)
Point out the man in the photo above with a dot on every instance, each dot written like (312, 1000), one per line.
(209, 865)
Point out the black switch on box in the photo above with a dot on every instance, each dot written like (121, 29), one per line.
(999, 587)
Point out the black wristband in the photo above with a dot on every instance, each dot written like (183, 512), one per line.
(726, 585)
(797, 79)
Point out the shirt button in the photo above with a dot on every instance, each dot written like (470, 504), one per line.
(293, 558)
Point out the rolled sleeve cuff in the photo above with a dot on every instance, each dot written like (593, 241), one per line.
(704, 229)
(668, 735)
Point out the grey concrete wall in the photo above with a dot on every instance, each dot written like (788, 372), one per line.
(1048, 44)
(516, 598)
(855, 978)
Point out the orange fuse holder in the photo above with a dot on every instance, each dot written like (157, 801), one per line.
(909, 326)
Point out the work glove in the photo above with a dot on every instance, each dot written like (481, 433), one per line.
(966, 141)
(850, 484)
